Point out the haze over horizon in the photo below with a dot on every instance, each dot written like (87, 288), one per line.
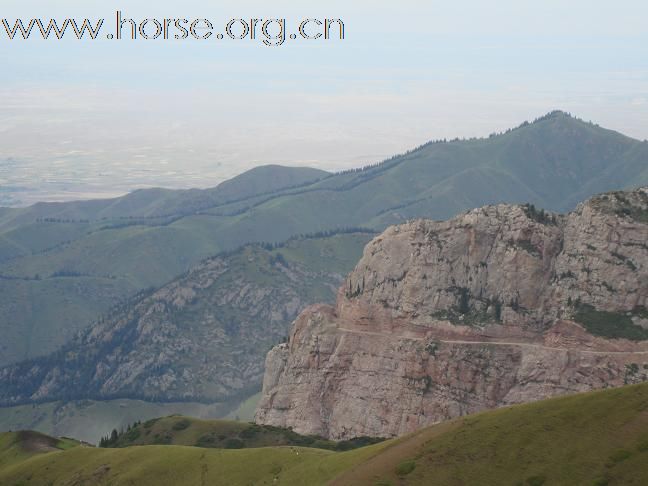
(98, 119)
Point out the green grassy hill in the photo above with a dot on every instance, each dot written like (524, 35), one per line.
(41, 315)
(160, 203)
(147, 238)
(89, 420)
(598, 438)
(220, 434)
(181, 465)
(17, 447)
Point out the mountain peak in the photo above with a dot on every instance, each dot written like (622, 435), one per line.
(554, 116)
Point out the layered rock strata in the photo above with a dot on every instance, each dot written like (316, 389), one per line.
(500, 305)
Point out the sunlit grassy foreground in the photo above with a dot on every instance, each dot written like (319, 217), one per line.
(594, 439)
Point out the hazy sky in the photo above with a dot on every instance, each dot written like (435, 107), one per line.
(189, 113)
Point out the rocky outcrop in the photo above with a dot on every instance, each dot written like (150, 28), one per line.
(500, 305)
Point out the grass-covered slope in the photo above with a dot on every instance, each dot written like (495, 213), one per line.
(181, 465)
(16, 447)
(37, 316)
(598, 438)
(220, 434)
(156, 203)
(149, 237)
(88, 420)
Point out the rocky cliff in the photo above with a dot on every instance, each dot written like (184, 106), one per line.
(500, 305)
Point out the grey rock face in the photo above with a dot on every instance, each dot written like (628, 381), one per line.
(500, 305)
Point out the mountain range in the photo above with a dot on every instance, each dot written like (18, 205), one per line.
(122, 298)
(88, 255)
